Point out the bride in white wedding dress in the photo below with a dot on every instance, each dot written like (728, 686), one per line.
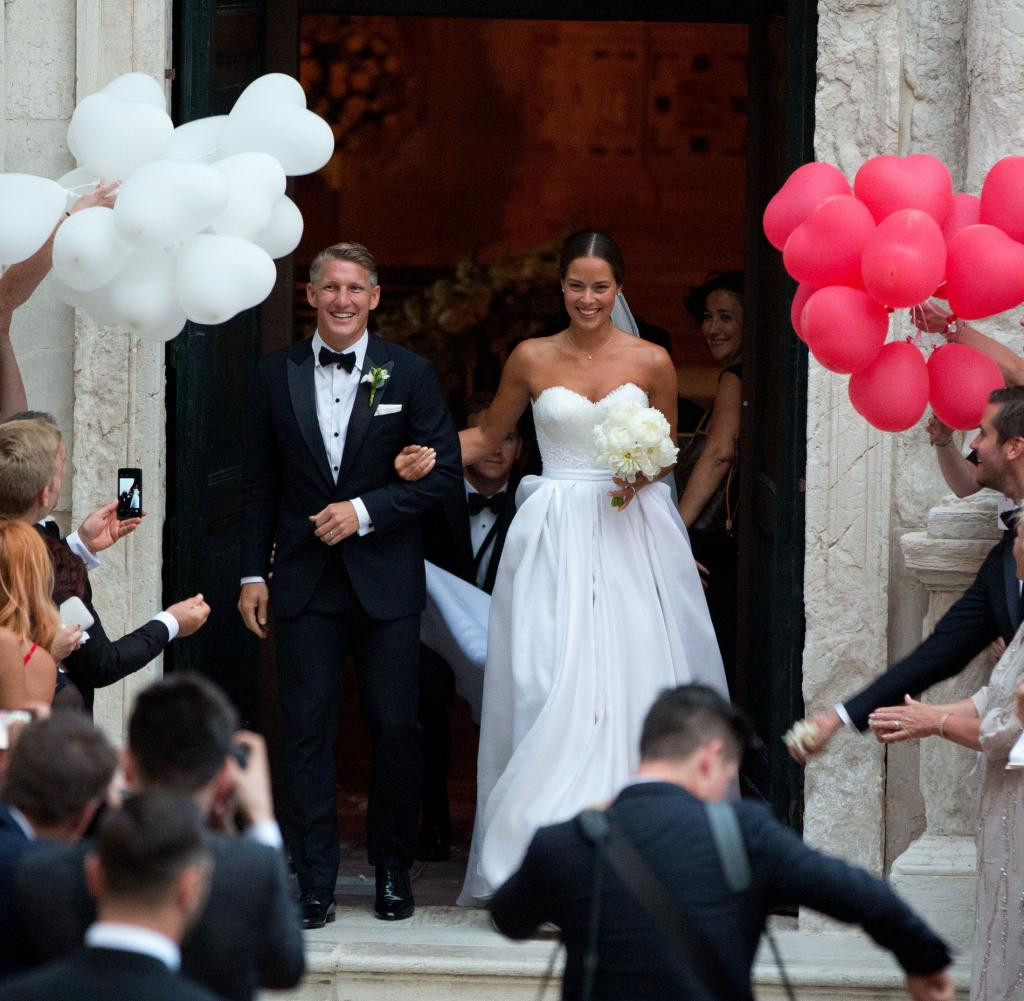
(596, 608)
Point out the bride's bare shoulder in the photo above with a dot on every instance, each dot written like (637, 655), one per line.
(534, 352)
(651, 356)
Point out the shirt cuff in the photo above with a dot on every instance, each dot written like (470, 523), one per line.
(844, 717)
(168, 620)
(365, 524)
(253, 580)
(266, 832)
(82, 551)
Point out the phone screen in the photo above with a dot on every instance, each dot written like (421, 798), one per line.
(129, 493)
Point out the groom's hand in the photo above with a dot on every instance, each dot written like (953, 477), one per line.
(336, 522)
(252, 603)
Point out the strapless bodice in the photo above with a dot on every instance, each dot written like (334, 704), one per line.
(565, 422)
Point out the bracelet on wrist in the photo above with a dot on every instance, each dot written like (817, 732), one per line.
(942, 724)
(942, 444)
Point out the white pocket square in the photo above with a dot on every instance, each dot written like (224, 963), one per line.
(383, 409)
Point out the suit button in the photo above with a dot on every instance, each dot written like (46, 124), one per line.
(335, 434)
(337, 399)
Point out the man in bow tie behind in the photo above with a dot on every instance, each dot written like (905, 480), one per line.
(465, 536)
(329, 417)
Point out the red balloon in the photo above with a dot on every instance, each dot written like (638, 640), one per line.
(984, 272)
(1002, 203)
(844, 328)
(892, 392)
(805, 189)
(800, 297)
(887, 184)
(825, 249)
(964, 211)
(904, 259)
(959, 381)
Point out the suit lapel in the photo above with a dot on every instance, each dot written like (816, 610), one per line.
(1010, 581)
(507, 514)
(362, 412)
(456, 513)
(303, 395)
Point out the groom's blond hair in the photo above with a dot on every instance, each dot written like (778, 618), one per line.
(354, 252)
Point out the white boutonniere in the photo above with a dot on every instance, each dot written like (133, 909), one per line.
(376, 377)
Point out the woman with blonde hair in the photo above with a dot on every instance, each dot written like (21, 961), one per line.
(27, 672)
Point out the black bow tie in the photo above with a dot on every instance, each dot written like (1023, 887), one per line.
(477, 503)
(347, 361)
(1011, 518)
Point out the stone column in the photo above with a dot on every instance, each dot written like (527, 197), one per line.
(936, 873)
(119, 417)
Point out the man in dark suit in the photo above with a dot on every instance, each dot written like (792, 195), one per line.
(320, 489)
(149, 876)
(182, 738)
(32, 456)
(691, 746)
(57, 775)
(989, 609)
(465, 536)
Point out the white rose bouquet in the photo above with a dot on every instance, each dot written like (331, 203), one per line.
(632, 440)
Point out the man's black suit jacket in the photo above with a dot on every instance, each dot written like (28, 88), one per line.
(670, 828)
(447, 540)
(287, 479)
(247, 937)
(14, 843)
(988, 609)
(104, 975)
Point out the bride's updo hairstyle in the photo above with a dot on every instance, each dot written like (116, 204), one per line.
(591, 243)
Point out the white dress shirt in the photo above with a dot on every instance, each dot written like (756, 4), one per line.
(335, 392)
(134, 938)
(479, 525)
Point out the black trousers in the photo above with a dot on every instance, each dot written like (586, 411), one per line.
(311, 651)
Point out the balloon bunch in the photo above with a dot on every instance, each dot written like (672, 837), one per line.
(200, 215)
(898, 237)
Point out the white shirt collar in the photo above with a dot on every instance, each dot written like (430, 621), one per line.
(22, 821)
(133, 938)
(359, 348)
(470, 489)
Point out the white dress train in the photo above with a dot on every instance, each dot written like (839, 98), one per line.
(595, 611)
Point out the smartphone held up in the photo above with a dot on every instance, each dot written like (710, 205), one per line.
(129, 493)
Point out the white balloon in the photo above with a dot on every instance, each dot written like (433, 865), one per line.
(169, 201)
(198, 140)
(114, 137)
(273, 87)
(138, 88)
(96, 303)
(282, 234)
(30, 207)
(301, 141)
(87, 250)
(219, 276)
(255, 182)
(168, 331)
(144, 294)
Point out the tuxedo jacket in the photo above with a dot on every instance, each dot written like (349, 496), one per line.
(288, 478)
(247, 937)
(670, 829)
(104, 975)
(988, 609)
(448, 542)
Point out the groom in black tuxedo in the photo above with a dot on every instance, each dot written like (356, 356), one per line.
(329, 418)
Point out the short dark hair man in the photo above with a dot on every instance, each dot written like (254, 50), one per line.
(691, 747)
(990, 608)
(182, 738)
(57, 775)
(149, 875)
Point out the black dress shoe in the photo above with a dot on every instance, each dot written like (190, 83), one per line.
(316, 906)
(434, 842)
(394, 894)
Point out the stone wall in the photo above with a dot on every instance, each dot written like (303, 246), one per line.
(930, 76)
(105, 389)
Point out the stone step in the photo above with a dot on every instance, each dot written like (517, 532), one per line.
(453, 954)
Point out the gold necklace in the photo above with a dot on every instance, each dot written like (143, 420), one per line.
(590, 354)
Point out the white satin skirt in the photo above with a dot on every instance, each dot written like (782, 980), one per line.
(595, 611)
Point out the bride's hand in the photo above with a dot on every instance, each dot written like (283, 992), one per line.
(414, 462)
(626, 491)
